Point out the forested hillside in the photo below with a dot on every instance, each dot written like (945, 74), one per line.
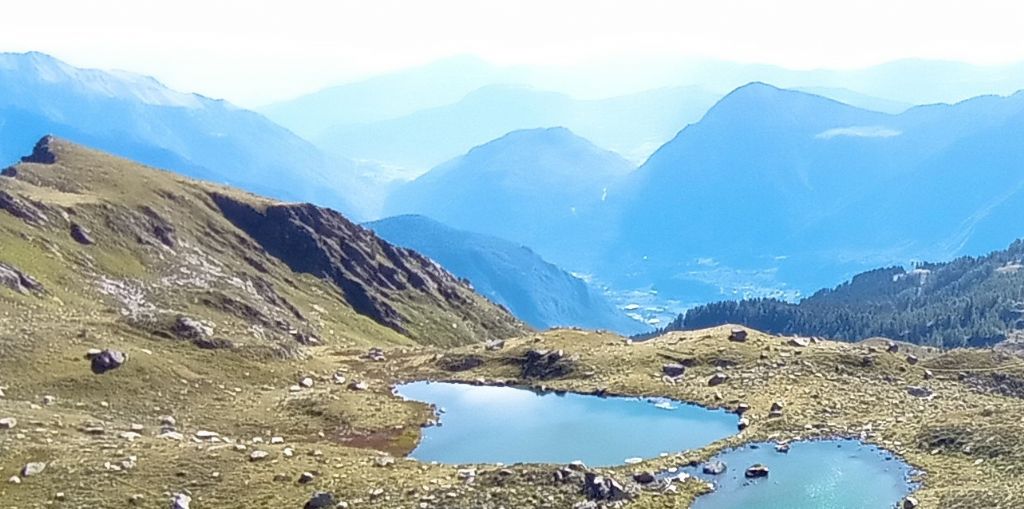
(965, 302)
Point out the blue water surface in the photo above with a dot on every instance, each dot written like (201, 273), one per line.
(829, 474)
(485, 424)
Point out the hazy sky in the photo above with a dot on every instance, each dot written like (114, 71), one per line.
(253, 52)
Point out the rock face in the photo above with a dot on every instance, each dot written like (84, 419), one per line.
(21, 209)
(545, 364)
(43, 152)
(367, 270)
(107, 360)
(18, 281)
(598, 487)
(756, 471)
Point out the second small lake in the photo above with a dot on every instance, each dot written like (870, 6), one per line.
(485, 424)
(828, 474)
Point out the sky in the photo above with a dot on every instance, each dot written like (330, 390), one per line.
(254, 52)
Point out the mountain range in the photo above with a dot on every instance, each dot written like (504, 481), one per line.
(135, 116)
(535, 291)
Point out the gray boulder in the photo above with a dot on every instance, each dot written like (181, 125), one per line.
(107, 360)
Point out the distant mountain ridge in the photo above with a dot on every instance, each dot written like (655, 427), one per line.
(534, 187)
(137, 117)
(535, 291)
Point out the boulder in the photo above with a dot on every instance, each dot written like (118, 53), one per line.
(718, 379)
(321, 500)
(756, 471)
(673, 370)
(34, 468)
(494, 344)
(81, 234)
(920, 392)
(599, 487)
(910, 503)
(644, 477)
(892, 347)
(743, 424)
(800, 342)
(190, 328)
(738, 334)
(107, 360)
(180, 501)
(782, 447)
(8, 423)
(912, 359)
(714, 467)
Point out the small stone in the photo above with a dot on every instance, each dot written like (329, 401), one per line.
(14, 480)
(276, 440)
(288, 452)
(912, 359)
(258, 455)
(34, 468)
(910, 503)
(742, 408)
(743, 424)
(206, 435)
(359, 386)
(384, 461)
(8, 423)
(49, 400)
(782, 447)
(171, 435)
(644, 477)
(306, 478)
(306, 382)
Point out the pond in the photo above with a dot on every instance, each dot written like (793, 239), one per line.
(486, 424)
(829, 474)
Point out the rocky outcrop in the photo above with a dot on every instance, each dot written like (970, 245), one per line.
(546, 365)
(18, 281)
(21, 209)
(599, 487)
(43, 152)
(371, 274)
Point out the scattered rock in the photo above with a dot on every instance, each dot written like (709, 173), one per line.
(782, 447)
(306, 382)
(892, 347)
(14, 480)
(376, 355)
(644, 477)
(738, 334)
(599, 487)
(306, 478)
(910, 503)
(258, 455)
(912, 359)
(359, 386)
(107, 360)
(321, 500)
(8, 423)
(384, 461)
(743, 424)
(34, 468)
(755, 471)
(81, 234)
(494, 344)
(673, 370)
(920, 392)
(180, 501)
(189, 328)
(718, 379)
(800, 342)
(714, 468)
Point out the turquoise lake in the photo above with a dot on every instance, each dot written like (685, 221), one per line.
(485, 424)
(831, 474)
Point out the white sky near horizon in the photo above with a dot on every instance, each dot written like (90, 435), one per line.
(253, 52)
